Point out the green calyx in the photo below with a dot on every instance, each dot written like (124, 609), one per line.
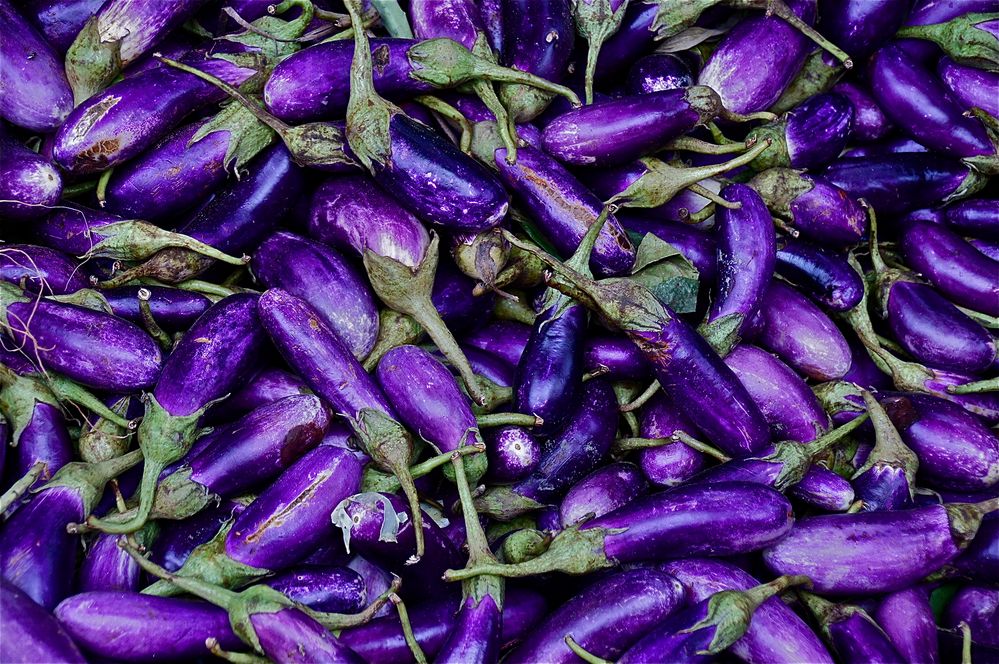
(827, 613)
(247, 136)
(888, 446)
(796, 458)
(104, 439)
(675, 16)
(596, 20)
(524, 545)
(394, 330)
(274, 37)
(89, 479)
(778, 157)
(966, 518)
(88, 298)
(504, 504)
(368, 114)
(962, 39)
(815, 77)
(136, 240)
(92, 61)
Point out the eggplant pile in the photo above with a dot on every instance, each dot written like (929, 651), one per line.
(478, 331)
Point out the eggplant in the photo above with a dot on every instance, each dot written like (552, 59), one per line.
(978, 608)
(173, 309)
(658, 72)
(821, 272)
(29, 185)
(673, 463)
(971, 39)
(619, 357)
(697, 246)
(851, 632)
(931, 12)
(35, 93)
(513, 453)
(60, 20)
(869, 122)
(602, 491)
(886, 480)
(31, 634)
(39, 269)
(108, 568)
(859, 27)
(596, 20)
(266, 386)
(812, 134)
(812, 205)
(876, 552)
(606, 618)
(327, 589)
(37, 426)
(970, 86)
(907, 618)
(978, 561)
(977, 217)
(178, 539)
(505, 339)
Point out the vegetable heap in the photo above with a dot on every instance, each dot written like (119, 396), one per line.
(468, 331)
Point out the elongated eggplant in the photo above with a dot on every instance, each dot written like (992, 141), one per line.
(503, 338)
(907, 619)
(618, 356)
(931, 12)
(869, 122)
(813, 206)
(34, 93)
(977, 217)
(852, 632)
(606, 618)
(177, 539)
(821, 272)
(29, 185)
(108, 568)
(970, 85)
(876, 552)
(31, 634)
(173, 309)
(330, 589)
(812, 134)
(36, 422)
(859, 27)
(602, 491)
(776, 634)
(39, 269)
(267, 386)
(674, 463)
(697, 246)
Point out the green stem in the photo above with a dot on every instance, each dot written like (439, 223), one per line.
(492, 420)
(209, 592)
(154, 329)
(483, 68)
(704, 192)
(485, 91)
(102, 186)
(583, 653)
(340, 621)
(779, 8)
(690, 144)
(694, 444)
(642, 398)
(407, 630)
(235, 657)
(965, 642)
(978, 386)
(834, 436)
(78, 188)
(453, 114)
(698, 217)
(390, 483)
(393, 18)
(21, 486)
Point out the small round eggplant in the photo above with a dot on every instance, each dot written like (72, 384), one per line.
(674, 463)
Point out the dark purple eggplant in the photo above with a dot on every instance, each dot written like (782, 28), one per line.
(812, 134)
(978, 608)
(674, 463)
(876, 552)
(971, 39)
(812, 205)
(980, 560)
(658, 72)
(40, 270)
(869, 121)
(620, 358)
(859, 27)
(31, 633)
(907, 619)
(596, 20)
(851, 632)
(34, 93)
(328, 589)
(931, 12)
(30, 186)
(178, 539)
(970, 86)
(108, 568)
(60, 20)
(887, 478)
(977, 217)
(503, 338)
(602, 491)
(821, 272)
(267, 386)
(172, 308)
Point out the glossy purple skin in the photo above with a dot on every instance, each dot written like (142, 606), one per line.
(246, 211)
(606, 618)
(958, 270)
(91, 347)
(657, 72)
(333, 589)
(861, 26)
(828, 214)
(979, 608)
(44, 439)
(314, 84)
(439, 183)
(985, 404)
(60, 20)
(897, 183)
(351, 212)
(980, 561)
(857, 639)
(578, 448)
(489, 366)
(427, 398)
(455, 301)
(290, 635)
(40, 269)
(888, 146)
(171, 177)
(923, 108)
(935, 332)
(821, 272)
(929, 12)
(564, 209)
(130, 116)
(602, 491)
(675, 463)
(267, 386)
(318, 356)
(869, 122)
(177, 539)
(381, 640)
(747, 248)
(680, 638)
(670, 524)
(757, 59)
(776, 634)
(475, 636)
(620, 130)
(513, 453)
(245, 454)
(200, 371)
(818, 130)
(334, 288)
(29, 184)
(788, 404)
(108, 567)
(865, 553)
(634, 38)
(36, 553)
(824, 489)
(801, 334)
(32, 634)
(459, 20)
(978, 217)
(550, 371)
(698, 247)
(303, 496)
(73, 229)
(970, 86)
(172, 308)
(617, 355)
(907, 619)
(132, 627)
(506, 339)
(34, 92)
(883, 487)
(955, 449)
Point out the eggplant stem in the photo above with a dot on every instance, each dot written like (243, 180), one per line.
(494, 72)
(339, 621)
(503, 124)
(690, 144)
(478, 544)
(593, 47)
(965, 642)
(102, 187)
(151, 470)
(833, 436)
(21, 486)
(492, 420)
(975, 387)
(698, 217)
(209, 592)
(780, 9)
(702, 447)
(718, 135)
(391, 484)
(154, 329)
(451, 113)
(235, 657)
(407, 630)
(704, 192)
(642, 398)
(583, 653)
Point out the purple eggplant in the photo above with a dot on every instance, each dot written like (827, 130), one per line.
(859, 27)
(31, 634)
(606, 618)
(978, 607)
(978, 217)
(131, 627)
(596, 20)
(852, 633)
(325, 280)
(34, 93)
(887, 478)
(178, 539)
(29, 185)
(698, 247)
(898, 183)
(569, 455)
(37, 425)
(907, 619)
(108, 568)
(708, 627)
(812, 134)
(813, 206)
(970, 86)
(957, 269)
(876, 552)
(980, 560)
(513, 453)
(328, 589)
(869, 121)
(970, 39)
(791, 326)
(61, 20)
(932, 12)
(776, 634)
(635, 37)
(673, 463)
(40, 270)
(267, 386)
(46, 572)
(821, 272)
(746, 257)
(172, 308)
(503, 338)
(620, 358)
(602, 491)
(564, 209)
(658, 72)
